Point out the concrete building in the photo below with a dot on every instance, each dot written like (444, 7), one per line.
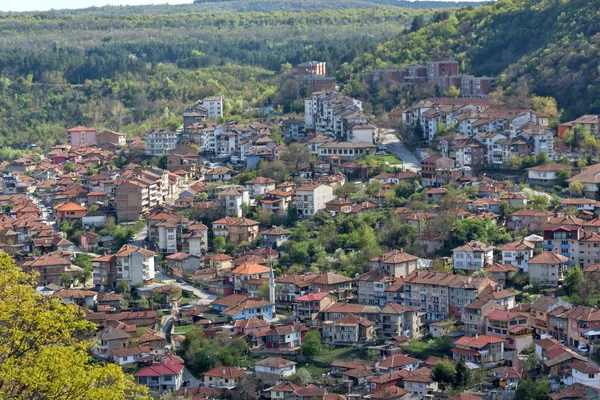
(135, 265)
(80, 136)
(473, 256)
(214, 107)
(547, 269)
(160, 142)
(311, 199)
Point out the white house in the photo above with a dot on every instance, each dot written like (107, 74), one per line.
(161, 377)
(260, 186)
(233, 199)
(473, 256)
(214, 106)
(135, 264)
(312, 198)
(585, 373)
(546, 175)
(274, 368)
(129, 355)
(517, 253)
(223, 377)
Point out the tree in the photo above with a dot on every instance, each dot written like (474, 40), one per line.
(66, 279)
(532, 390)
(444, 372)
(452, 91)
(417, 23)
(562, 175)
(219, 243)
(275, 170)
(294, 155)
(42, 353)
(311, 344)
(576, 188)
(263, 291)
(463, 374)
(533, 361)
(573, 280)
(301, 377)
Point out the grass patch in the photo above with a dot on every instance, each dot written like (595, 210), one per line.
(316, 371)
(183, 329)
(327, 356)
(376, 160)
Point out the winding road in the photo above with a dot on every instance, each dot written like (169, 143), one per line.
(393, 145)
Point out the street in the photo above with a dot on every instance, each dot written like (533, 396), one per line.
(393, 145)
(204, 298)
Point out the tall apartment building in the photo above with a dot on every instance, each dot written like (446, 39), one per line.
(160, 142)
(135, 197)
(310, 77)
(333, 114)
(310, 199)
(80, 135)
(134, 264)
(214, 106)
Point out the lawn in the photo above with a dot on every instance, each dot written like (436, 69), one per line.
(183, 329)
(376, 160)
(327, 356)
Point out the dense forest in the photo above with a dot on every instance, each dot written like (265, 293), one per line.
(547, 48)
(132, 71)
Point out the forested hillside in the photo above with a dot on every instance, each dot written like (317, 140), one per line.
(129, 72)
(548, 47)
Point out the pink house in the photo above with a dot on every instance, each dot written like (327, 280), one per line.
(80, 135)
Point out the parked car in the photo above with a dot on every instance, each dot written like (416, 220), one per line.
(582, 348)
(380, 153)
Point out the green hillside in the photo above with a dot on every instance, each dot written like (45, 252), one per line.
(548, 48)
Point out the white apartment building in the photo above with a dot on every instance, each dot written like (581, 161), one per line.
(214, 106)
(232, 200)
(135, 264)
(160, 142)
(517, 253)
(312, 198)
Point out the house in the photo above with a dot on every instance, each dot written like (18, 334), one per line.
(539, 313)
(348, 329)
(184, 262)
(339, 206)
(274, 369)
(80, 136)
(49, 269)
(514, 199)
(395, 320)
(309, 308)
(500, 322)
(509, 376)
(260, 186)
(590, 177)
(479, 349)
(547, 269)
(533, 220)
(339, 286)
(111, 339)
(219, 174)
(473, 256)
(419, 382)
(129, 355)
(69, 212)
(585, 373)
(499, 272)
(250, 308)
(547, 175)
(437, 171)
(161, 377)
(285, 337)
(82, 298)
(395, 363)
(311, 199)
(473, 317)
(395, 262)
(371, 287)
(576, 391)
(233, 200)
(517, 253)
(224, 377)
(236, 230)
(274, 236)
(247, 272)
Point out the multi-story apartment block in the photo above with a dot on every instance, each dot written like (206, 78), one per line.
(437, 171)
(540, 310)
(80, 136)
(309, 308)
(135, 265)
(160, 142)
(134, 197)
(294, 129)
(395, 320)
(473, 317)
(236, 230)
(214, 106)
(473, 256)
(333, 114)
(103, 269)
(311, 199)
(591, 123)
(339, 286)
(480, 349)
(371, 287)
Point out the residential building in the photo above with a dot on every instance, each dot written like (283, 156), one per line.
(500, 322)
(109, 140)
(294, 129)
(236, 230)
(533, 220)
(233, 200)
(479, 349)
(309, 307)
(161, 377)
(103, 270)
(396, 363)
(213, 106)
(473, 256)
(246, 273)
(49, 269)
(340, 152)
(396, 320)
(223, 377)
(348, 329)
(436, 171)
(311, 199)
(134, 264)
(547, 269)
(260, 186)
(160, 142)
(80, 136)
(274, 369)
(546, 175)
(371, 287)
(589, 176)
(339, 286)
(419, 382)
(395, 262)
(517, 253)
(539, 311)
(134, 198)
(473, 317)
(499, 272)
(69, 212)
(274, 236)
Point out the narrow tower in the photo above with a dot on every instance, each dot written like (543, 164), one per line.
(271, 284)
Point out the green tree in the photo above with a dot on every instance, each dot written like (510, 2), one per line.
(576, 188)
(219, 243)
(311, 344)
(453, 91)
(301, 377)
(573, 280)
(562, 175)
(529, 389)
(463, 374)
(66, 279)
(444, 372)
(56, 352)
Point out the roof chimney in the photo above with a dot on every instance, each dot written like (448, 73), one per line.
(477, 336)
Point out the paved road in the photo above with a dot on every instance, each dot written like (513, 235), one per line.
(394, 145)
(203, 297)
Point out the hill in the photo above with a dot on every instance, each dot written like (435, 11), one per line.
(547, 47)
(132, 71)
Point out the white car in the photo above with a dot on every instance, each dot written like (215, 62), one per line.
(582, 348)
(380, 153)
